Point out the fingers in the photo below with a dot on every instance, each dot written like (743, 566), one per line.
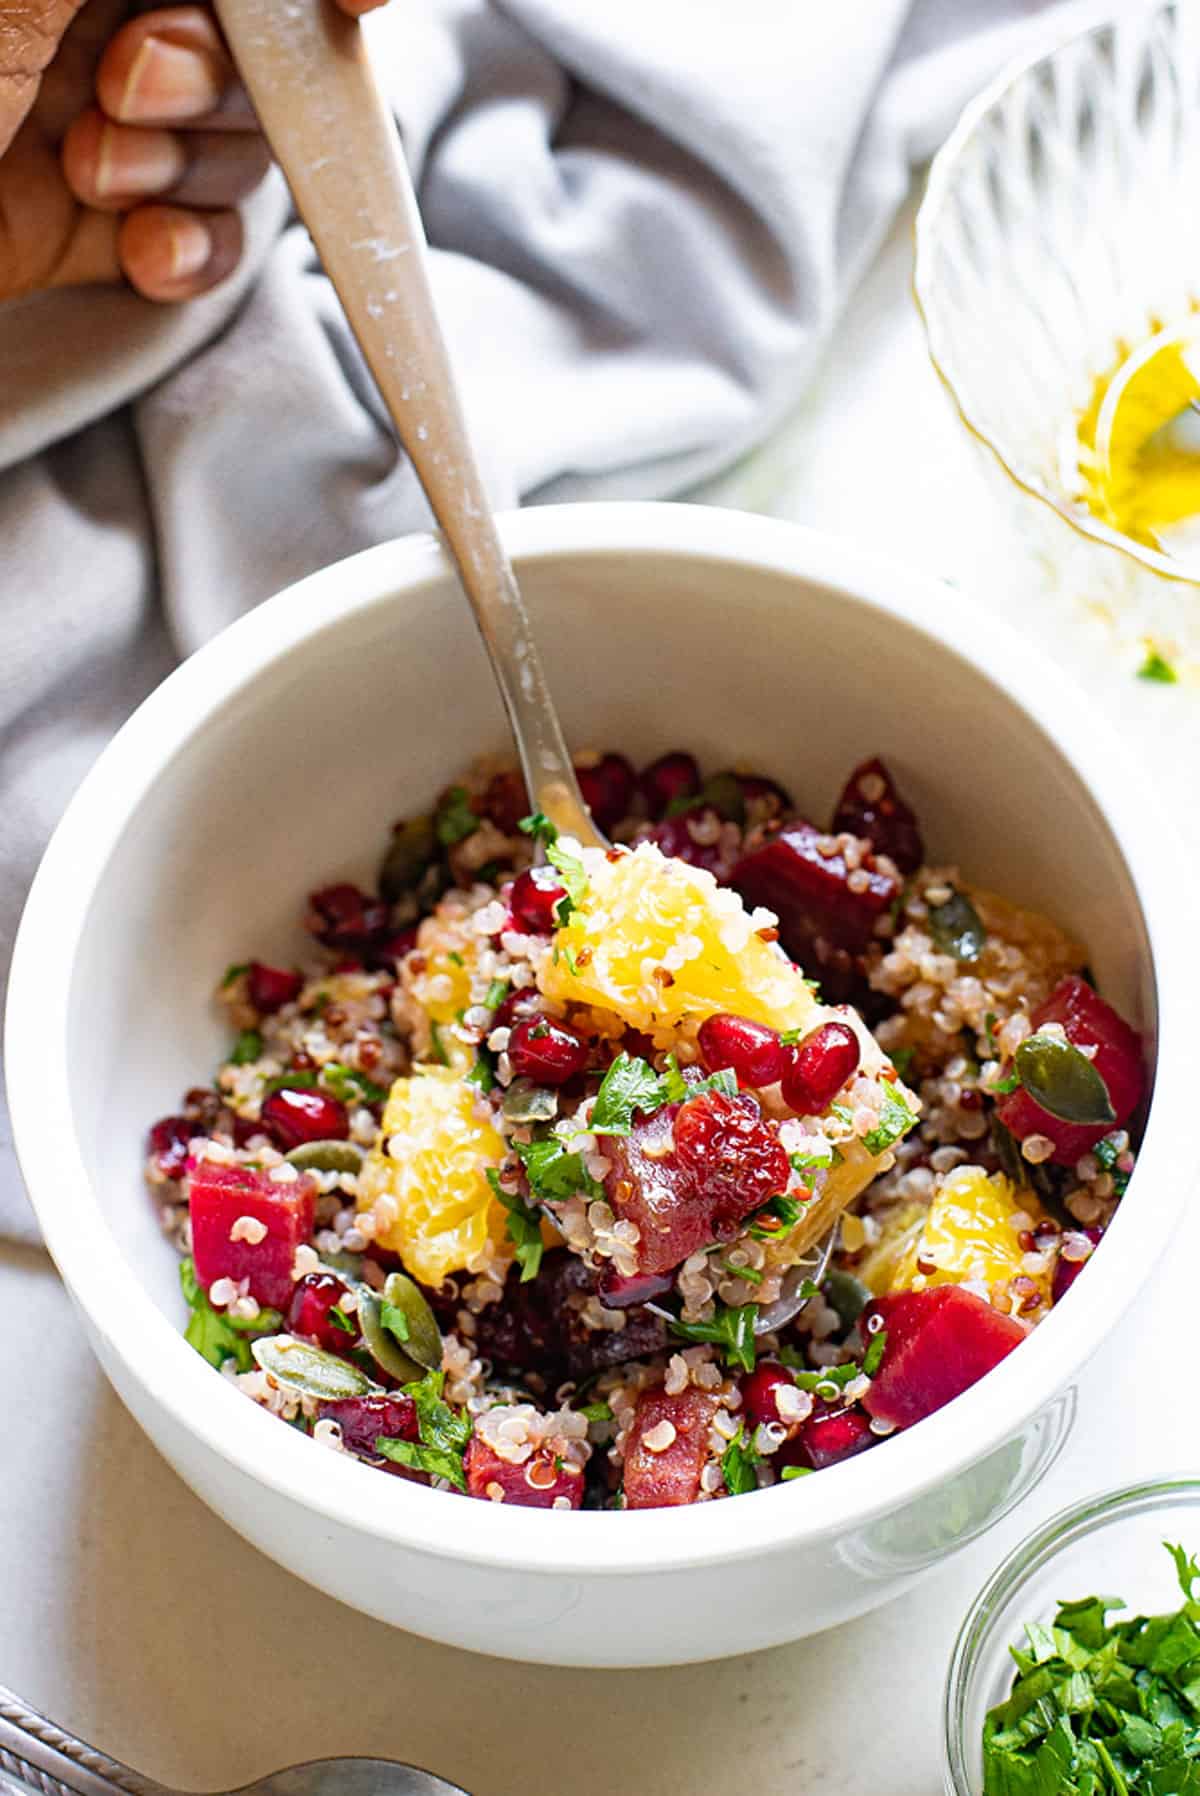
(169, 254)
(113, 167)
(171, 67)
(356, 8)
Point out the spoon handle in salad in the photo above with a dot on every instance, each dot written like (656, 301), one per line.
(306, 68)
(38, 1755)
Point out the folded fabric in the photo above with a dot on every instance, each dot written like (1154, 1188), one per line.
(644, 219)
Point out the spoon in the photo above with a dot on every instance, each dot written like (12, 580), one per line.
(306, 69)
(36, 1755)
(305, 66)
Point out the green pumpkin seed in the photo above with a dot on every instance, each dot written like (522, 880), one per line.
(406, 1314)
(308, 1369)
(326, 1156)
(526, 1102)
(845, 1294)
(412, 847)
(382, 1344)
(956, 927)
(1063, 1081)
(724, 793)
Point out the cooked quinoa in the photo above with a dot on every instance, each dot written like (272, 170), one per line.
(521, 1187)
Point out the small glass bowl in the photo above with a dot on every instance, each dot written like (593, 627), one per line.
(1059, 230)
(1111, 1544)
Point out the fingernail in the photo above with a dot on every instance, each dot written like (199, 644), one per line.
(170, 81)
(131, 163)
(191, 247)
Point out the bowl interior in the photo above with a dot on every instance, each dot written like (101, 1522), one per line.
(309, 750)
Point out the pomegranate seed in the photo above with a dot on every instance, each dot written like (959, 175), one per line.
(1067, 1271)
(667, 780)
(168, 1143)
(533, 899)
(316, 1297)
(821, 1065)
(547, 1051)
(751, 1050)
(758, 1392)
(506, 801)
(270, 988)
(607, 789)
(293, 1116)
(347, 918)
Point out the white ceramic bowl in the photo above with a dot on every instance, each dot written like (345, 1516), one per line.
(276, 758)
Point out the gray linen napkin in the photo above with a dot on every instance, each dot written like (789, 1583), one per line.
(645, 215)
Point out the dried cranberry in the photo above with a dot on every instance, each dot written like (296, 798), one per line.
(870, 806)
(534, 898)
(270, 988)
(607, 789)
(506, 801)
(758, 1392)
(751, 1050)
(757, 790)
(363, 1420)
(820, 1066)
(348, 919)
(1067, 1271)
(294, 1115)
(668, 780)
(314, 1300)
(547, 1051)
(168, 1142)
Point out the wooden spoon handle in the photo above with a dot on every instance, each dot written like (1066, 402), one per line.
(306, 68)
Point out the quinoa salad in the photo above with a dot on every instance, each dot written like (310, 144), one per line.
(524, 1186)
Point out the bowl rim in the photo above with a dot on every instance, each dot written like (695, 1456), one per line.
(925, 289)
(1064, 1529)
(129, 1330)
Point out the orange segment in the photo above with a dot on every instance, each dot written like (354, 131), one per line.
(969, 1232)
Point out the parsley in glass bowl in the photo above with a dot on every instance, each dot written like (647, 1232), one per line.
(1084, 1689)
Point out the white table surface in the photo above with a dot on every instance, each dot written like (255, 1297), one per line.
(132, 1614)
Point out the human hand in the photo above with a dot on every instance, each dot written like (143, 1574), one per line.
(126, 143)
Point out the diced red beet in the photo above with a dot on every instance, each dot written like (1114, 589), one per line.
(758, 1392)
(506, 801)
(690, 1173)
(218, 1195)
(270, 988)
(820, 912)
(548, 1051)
(665, 1478)
(536, 1328)
(751, 1050)
(348, 919)
(607, 789)
(363, 1420)
(677, 838)
(940, 1342)
(830, 1434)
(619, 1292)
(297, 1115)
(534, 899)
(820, 1065)
(1067, 1271)
(756, 790)
(168, 1143)
(667, 780)
(534, 1485)
(870, 806)
(310, 1313)
(1087, 1022)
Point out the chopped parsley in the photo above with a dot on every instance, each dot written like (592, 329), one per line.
(247, 1048)
(497, 991)
(438, 1046)
(902, 1060)
(340, 1319)
(554, 1174)
(1100, 1708)
(731, 1329)
(738, 1462)
(394, 1320)
(597, 1412)
(786, 1212)
(989, 1035)
(805, 1162)
(1157, 669)
(351, 1086)
(750, 1273)
(443, 1435)
(1107, 1154)
(570, 869)
(794, 1471)
(895, 1120)
(539, 827)
(524, 1228)
(454, 820)
(629, 1084)
(482, 1074)
(234, 972)
(216, 1336)
(873, 1357)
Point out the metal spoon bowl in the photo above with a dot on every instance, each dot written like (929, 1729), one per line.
(37, 1755)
